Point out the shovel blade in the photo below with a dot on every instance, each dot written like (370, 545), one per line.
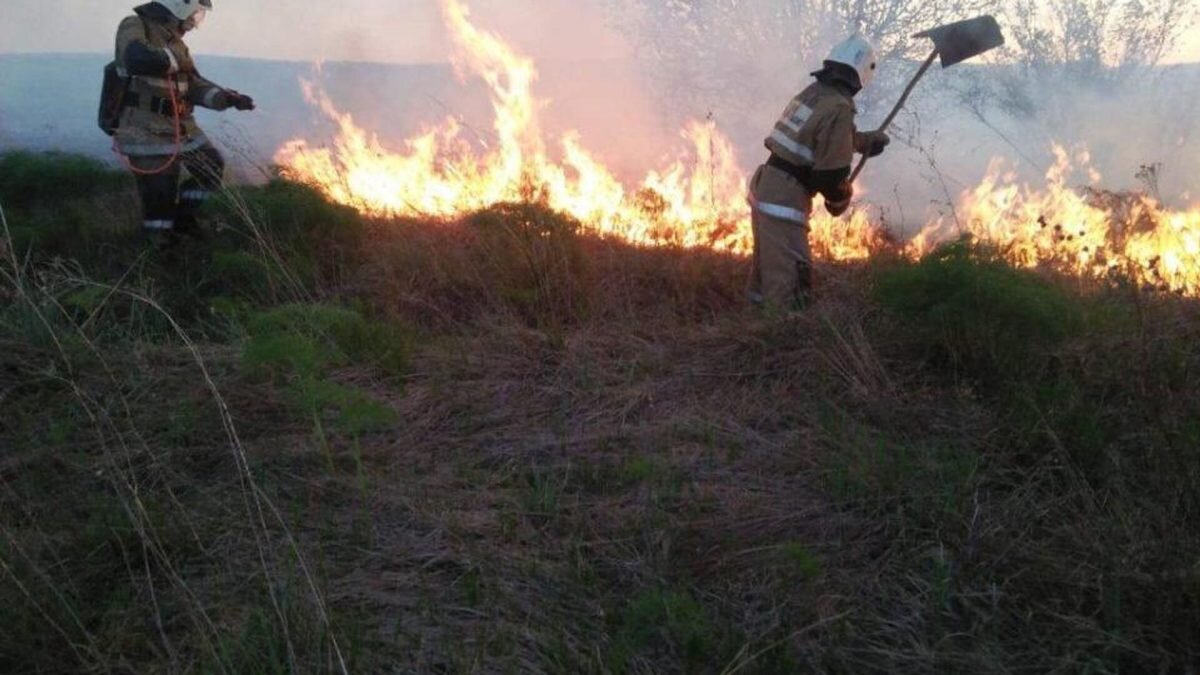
(957, 42)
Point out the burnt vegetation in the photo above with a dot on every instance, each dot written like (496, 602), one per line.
(323, 443)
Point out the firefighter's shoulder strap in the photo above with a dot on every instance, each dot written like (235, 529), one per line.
(113, 91)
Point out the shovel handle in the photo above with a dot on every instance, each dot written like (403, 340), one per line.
(862, 163)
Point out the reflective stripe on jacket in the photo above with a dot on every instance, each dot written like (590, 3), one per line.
(816, 138)
(778, 194)
(816, 130)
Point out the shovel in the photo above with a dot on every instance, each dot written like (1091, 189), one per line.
(954, 43)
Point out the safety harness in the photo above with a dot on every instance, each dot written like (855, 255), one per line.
(802, 174)
(170, 107)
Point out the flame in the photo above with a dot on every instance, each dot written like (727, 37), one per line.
(698, 200)
(1086, 232)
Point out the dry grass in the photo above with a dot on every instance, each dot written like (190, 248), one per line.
(597, 459)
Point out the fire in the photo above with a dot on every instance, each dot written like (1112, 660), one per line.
(698, 200)
(1086, 232)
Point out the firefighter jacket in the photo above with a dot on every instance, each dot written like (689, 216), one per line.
(150, 51)
(812, 147)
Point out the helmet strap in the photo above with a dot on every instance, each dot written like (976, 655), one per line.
(841, 76)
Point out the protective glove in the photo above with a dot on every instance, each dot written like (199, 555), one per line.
(877, 142)
(238, 100)
(839, 206)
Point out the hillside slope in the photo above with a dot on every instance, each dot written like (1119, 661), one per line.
(321, 443)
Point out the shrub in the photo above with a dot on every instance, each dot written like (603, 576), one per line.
(62, 205)
(30, 179)
(534, 257)
(980, 317)
(314, 237)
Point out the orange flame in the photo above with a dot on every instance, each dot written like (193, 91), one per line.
(1086, 232)
(696, 201)
(699, 199)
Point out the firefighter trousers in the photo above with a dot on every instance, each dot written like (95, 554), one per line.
(781, 273)
(168, 204)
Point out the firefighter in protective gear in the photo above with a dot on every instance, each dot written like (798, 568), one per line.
(157, 131)
(812, 148)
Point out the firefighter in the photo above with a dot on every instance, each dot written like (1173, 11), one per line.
(156, 131)
(812, 147)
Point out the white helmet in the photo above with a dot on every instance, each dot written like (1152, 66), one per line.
(857, 53)
(187, 9)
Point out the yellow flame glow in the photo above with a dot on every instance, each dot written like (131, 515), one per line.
(699, 199)
(1087, 232)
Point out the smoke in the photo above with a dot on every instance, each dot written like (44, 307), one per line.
(628, 74)
(739, 63)
(582, 81)
(1145, 122)
(742, 61)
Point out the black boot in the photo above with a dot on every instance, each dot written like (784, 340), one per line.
(161, 241)
(187, 225)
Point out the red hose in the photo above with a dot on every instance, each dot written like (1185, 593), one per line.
(178, 138)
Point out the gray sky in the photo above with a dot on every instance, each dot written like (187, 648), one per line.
(370, 30)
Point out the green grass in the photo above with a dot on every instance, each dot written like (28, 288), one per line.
(66, 205)
(806, 563)
(29, 179)
(303, 345)
(928, 479)
(664, 620)
(327, 336)
(294, 230)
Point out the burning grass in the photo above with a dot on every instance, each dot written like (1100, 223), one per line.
(698, 200)
(501, 443)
